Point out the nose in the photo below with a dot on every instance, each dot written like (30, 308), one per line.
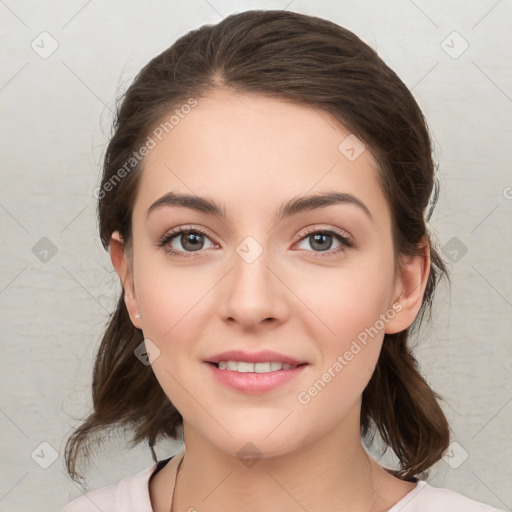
(254, 294)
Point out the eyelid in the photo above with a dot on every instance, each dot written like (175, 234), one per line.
(326, 229)
(174, 232)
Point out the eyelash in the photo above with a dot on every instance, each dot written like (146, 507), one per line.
(346, 242)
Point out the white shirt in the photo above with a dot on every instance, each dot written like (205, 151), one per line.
(132, 495)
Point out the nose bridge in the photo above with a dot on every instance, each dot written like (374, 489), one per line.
(254, 293)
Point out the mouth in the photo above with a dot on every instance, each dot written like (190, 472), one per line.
(248, 367)
(254, 372)
(254, 378)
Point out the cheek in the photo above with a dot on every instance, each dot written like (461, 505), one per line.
(173, 301)
(347, 302)
(176, 303)
(169, 296)
(354, 308)
(346, 367)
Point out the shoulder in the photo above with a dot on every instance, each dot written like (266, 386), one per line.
(425, 498)
(130, 494)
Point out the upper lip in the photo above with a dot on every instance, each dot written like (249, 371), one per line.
(262, 356)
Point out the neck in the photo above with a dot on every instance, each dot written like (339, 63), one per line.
(316, 477)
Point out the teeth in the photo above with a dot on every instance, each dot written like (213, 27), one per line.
(244, 367)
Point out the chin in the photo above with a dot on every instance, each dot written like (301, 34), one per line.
(252, 447)
(252, 440)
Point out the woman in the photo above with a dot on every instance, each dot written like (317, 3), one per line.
(264, 201)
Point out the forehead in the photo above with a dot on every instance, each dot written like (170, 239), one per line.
(249, 150)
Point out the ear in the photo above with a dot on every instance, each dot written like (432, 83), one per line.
(122, 266)
(410, 288)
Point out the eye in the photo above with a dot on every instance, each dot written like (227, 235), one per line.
(323, 240)
(181, 241)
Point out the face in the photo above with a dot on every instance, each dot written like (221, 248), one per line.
(307, 284)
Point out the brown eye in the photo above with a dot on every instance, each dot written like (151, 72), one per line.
(191, 241)
(322, 241)
(181, 241)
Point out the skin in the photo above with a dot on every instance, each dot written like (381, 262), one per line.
(251, 154)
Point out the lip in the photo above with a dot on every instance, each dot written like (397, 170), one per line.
(262, 356)
(254, 383)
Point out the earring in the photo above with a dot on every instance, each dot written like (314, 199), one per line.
(138, 315)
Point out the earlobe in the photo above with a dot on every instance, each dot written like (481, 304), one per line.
(414, 273)
(122, 267)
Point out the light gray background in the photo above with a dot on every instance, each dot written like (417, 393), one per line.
(56, 115)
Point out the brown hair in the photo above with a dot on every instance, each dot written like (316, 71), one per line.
(311, 61)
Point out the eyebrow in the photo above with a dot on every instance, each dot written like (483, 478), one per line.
(292, 207)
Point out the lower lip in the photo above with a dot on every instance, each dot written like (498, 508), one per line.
(255, 383)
